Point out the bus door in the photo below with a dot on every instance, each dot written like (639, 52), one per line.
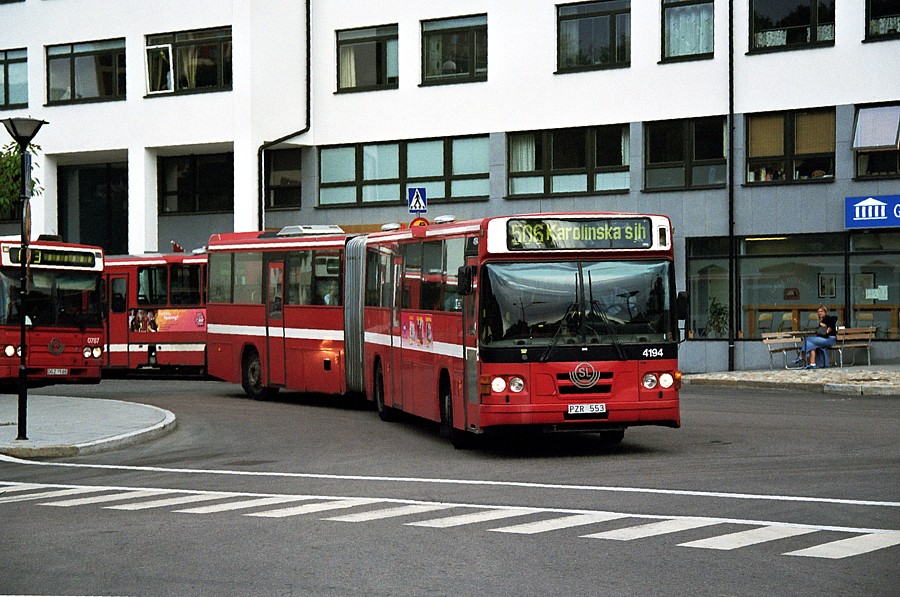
(275, 323)
(117, 321)
(393, 388)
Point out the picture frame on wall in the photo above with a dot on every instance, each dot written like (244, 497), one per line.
(827, 285)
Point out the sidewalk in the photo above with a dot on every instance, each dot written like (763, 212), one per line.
(60, 426)
(875, 380)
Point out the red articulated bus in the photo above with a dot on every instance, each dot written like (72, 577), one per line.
(156, 318)
(63, 311)
(556, 322)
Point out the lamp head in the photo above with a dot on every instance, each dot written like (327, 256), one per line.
(23, 130)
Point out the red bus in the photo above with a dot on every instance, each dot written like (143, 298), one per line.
(557, 322)
(156, 318)
(62, 308)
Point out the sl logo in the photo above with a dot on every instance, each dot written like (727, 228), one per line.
(584, 376)
(56, 347)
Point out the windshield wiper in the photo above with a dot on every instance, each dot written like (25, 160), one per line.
(597, 309)
(562, 323)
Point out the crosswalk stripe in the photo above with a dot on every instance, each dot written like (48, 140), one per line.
(653, 529)
(565, 522)
(388, 513)
(455, 521)
(852, 546)
(748, 537)
(172, 501)
(47, 494)
(109, 497)
(230, 506)
(311, 508)
(14, 488)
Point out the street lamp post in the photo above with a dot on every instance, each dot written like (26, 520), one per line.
(23, 130)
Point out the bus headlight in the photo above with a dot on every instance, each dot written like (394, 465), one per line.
(516, 385)
(666, 380)
(649, 381)
(498, 384)
(10, 350)
(86, 352)
(96, 352)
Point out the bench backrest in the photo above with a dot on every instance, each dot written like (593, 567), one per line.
(781, 337)
(856, 334)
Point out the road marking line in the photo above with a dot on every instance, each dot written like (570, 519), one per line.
(47, 494)
(653, 529)
(748, 537)
(455, 521)
(173, 501)
(388, 513)
(310, 508)
(230, 506)
(14, 488)
(845, 548)
(472, 482)
(564, 522)
(99, 499)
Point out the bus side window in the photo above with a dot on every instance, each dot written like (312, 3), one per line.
(117, 302)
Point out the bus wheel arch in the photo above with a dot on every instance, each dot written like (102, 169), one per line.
(385, 412)
(460, 438)
(252, 375)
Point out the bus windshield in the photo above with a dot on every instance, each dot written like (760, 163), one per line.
(575, 302)
(55, 298)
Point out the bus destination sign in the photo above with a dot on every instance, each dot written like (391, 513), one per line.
(55, 257)
(542, 234)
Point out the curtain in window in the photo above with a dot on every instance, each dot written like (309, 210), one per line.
(522, 153)
(689, 30)
(348, 67)
(434, 55)
(766, 136)
(188, 62)
(814, 132)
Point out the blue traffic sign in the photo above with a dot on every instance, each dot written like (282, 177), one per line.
(417, 200)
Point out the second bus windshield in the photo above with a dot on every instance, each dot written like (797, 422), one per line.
(577, 302)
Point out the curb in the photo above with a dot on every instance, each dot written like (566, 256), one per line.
(131, 438)
(842, 389)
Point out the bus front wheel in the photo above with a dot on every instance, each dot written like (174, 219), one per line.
(460, 438)
(252, 377)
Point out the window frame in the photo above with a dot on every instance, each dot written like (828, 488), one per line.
(358, 184)
(195, 195)
(790, 156)
(171, 46)
(865, 153)
(670, 5)
(689, 161)
(870, 36)
(272, 190)
(79, 50)
(590, 171)
(20, 57)
(813, 31)
(456, 25)
(613, 13)
(381, 36)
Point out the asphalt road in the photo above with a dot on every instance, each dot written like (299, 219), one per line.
(760, 493)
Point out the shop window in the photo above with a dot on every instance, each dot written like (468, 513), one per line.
(883, 19)
(86, 72)
(875, 282)
(196, 183)
(688, 29)
(455, 50)
(189, 61)
(367, 59)
(593, 35)
(576, 160)
(13, 78)
(791, 146)
(686, 153)
(876, 141)
(791, 24)
(283, 178)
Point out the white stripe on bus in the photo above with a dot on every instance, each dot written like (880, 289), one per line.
(275, 331)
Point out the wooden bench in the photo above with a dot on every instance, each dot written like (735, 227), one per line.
(852, 338)
(787, 343)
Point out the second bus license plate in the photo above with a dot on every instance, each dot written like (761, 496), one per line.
(57, 371)
(587, 409)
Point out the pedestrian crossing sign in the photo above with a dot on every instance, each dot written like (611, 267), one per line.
(416, 199)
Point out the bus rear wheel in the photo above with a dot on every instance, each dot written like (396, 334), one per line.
(252, 377)
(385, 412)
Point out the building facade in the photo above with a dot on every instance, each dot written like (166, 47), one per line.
(767, 130)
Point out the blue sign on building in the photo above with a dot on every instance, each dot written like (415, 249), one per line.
(872, 212)
(417, 200)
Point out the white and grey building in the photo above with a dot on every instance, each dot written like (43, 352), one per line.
(767, 130)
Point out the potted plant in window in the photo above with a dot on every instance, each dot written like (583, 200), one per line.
(717, 319)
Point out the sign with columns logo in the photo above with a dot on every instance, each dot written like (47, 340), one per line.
(872, 212)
